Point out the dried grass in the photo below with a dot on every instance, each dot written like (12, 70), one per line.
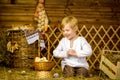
(30, 74)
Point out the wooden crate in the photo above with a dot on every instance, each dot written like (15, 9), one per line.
(112, 70)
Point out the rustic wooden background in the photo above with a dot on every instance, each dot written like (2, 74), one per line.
(98, 21)
(87, 11)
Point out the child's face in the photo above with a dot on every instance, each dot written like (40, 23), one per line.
(69, 32)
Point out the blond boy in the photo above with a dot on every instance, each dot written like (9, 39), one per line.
(73, 49)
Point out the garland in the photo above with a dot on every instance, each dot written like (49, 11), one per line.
(40, 16)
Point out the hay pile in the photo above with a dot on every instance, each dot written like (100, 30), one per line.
(114, 57)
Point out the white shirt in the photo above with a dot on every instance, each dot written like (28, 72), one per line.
(80, 45)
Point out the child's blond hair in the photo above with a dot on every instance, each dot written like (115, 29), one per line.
(71, 20)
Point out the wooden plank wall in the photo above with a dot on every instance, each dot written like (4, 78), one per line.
(87, 11)
(16, 12)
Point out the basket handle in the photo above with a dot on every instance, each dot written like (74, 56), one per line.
(48, 51)
(39, 53)
(48, 55)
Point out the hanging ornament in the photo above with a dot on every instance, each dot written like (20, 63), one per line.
(41, 1)
(41, 17)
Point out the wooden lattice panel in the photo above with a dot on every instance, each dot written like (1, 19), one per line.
(100, 37)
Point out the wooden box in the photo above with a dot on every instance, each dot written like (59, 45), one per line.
(110, 67)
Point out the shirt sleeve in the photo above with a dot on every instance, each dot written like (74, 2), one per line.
(85, 50)
(59, 51)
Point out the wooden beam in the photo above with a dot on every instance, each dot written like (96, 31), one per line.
(16, 18)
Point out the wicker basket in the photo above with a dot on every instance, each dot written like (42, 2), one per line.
(44, 66)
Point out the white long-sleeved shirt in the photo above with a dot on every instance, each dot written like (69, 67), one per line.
(82, 48)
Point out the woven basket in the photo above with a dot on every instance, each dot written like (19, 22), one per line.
(44, 66)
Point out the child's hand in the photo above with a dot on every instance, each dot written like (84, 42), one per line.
(72, 52)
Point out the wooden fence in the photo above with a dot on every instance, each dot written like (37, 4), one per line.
(99, 36)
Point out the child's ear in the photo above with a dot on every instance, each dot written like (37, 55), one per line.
(76, 28)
